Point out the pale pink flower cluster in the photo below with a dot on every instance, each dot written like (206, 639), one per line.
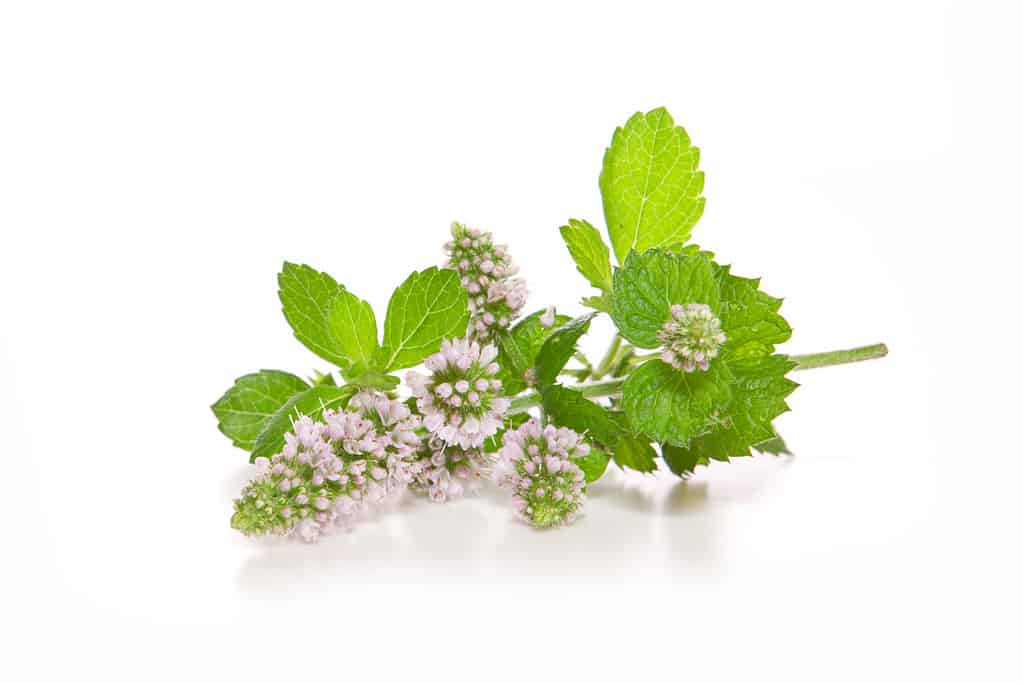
(460, 400)
(536, 464)
(486, 270)
(330, 471)
(447, 472)
(691, 338)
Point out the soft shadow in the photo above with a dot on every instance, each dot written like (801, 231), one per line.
(686, 497)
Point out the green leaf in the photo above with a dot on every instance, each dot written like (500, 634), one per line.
(352, 328)
(749, 317)
(559, 347)
(591, 255)
(372, 379)
(600, 303)
(650, 184)
(649, 283)
(681, 461)
(635, 454)
(569, 408)
(427, 308)
(244, 409)
(519, 347)
(593, 464)
(672, 406)
(305, 295)
(774, 446)
(759, 390)
(311, 402)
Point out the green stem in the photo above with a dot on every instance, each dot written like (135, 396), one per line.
(521, 404)
(820, 360)
(609, 357)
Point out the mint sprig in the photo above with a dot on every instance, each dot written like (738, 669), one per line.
(692, 375)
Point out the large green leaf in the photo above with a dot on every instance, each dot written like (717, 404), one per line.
(430, 306)
(352, 328)
(649, 283)
(674, 407)
(311, 402)
(591, 255)
(650, 184)
(759, 390)
(244, 409)
(305, 295)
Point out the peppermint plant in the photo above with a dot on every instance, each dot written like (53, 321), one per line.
(691, 375)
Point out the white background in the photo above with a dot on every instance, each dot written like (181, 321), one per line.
(158, 161)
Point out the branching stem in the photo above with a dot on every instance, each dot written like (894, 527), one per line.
(808, 361)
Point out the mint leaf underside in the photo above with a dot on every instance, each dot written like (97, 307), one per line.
(650, 184)
(430, 306)
(673, 406)
(305, 295)
(592, 257)
(352, 328)
(311, 402)
(649, 283)
(245, 409)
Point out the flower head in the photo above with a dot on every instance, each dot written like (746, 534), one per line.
(486, 270)
(460, 401)
(691, 338)
(446, 472)
(330, 471)
(536, 464)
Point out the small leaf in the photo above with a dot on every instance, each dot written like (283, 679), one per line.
(593, 464)
(600, 303)
(305, 295)
(635, 454)
(681, 461)
(311, 402)
(519, 347)
(591, 255)
(650, 184)
(649, 283)
(559, 347)
(673, 406)
(352, 328)
(430, 306)
(246, 407)
(569, 408)
(773, 446)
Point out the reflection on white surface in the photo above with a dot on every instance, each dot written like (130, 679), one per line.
(654, 526)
